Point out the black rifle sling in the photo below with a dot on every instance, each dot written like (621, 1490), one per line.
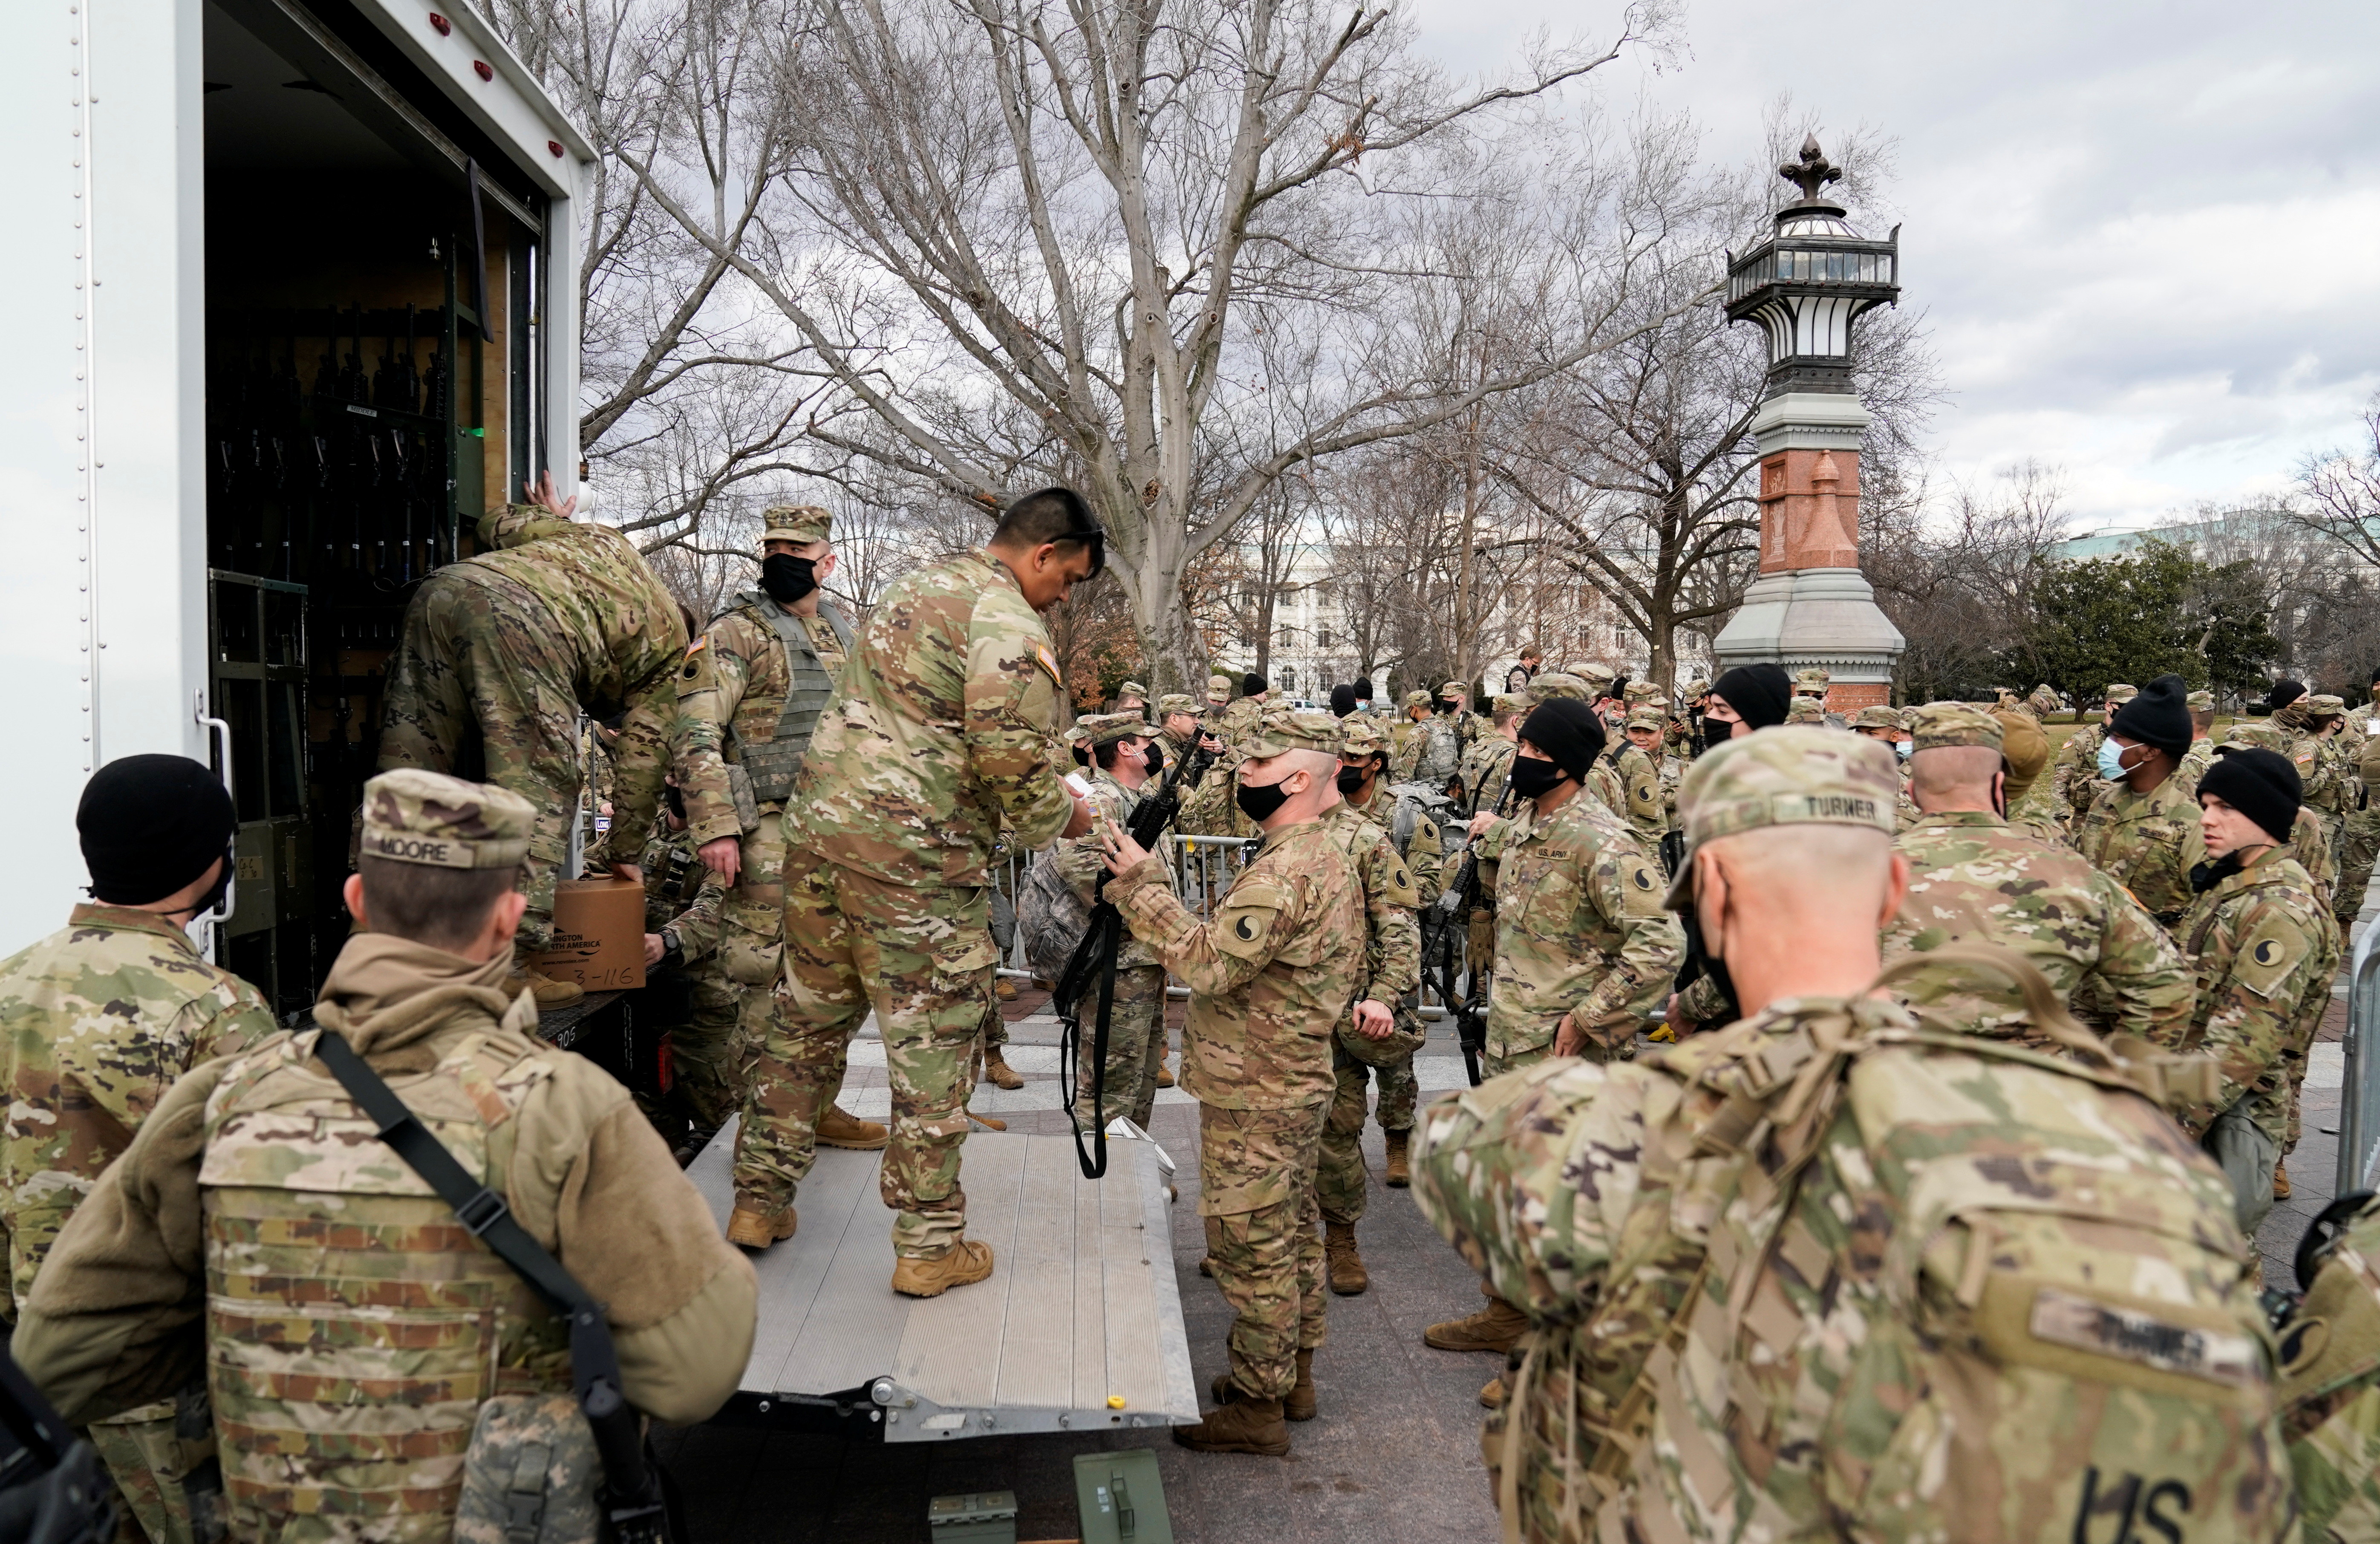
(632, 1499)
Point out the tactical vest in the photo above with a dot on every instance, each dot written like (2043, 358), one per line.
(354, 1324)
(774, 762)
(2057, 1334)
(1441, 752)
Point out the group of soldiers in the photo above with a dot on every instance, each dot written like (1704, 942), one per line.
(1872, 1136)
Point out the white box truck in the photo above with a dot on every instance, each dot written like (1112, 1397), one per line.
(294, 302)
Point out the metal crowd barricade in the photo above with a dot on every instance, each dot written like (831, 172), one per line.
(2358, 1096)
(1204, 868)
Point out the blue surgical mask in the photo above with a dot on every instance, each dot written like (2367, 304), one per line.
(2111, 760)
(1903, 748)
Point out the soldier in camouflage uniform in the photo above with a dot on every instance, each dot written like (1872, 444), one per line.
(1491, 757)
(1130, 698)
(1890, 726)
(683, 897)
(2309, 728)
(2200, 754)
(1120, 742)
(1602, 780)
(1974, 878)
(943, 731)
(1370, 1041)
(1638, 767)
(1177, 726)
(1584, 950)
(501, 652)
(749, 698)
(1270, 978)
(1408, 738)
(96, 1022)
(2074, 777)
(1839, 1270)
(2264, 950)
(349, 1327)
(2307, 844)
(2330, 1385)
(2141, 831)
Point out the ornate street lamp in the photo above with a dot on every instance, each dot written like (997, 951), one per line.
(1809, 282)
(1807, 286)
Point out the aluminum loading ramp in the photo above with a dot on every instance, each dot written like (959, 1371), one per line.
(1079, 1328)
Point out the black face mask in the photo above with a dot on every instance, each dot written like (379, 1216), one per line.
(1350, 780)
(2205, 877)
(1154, 760)
(1702, 962)
(1259, 804)
(1445, 706)
(1082, 756)
(1532, 775)
(786, 578)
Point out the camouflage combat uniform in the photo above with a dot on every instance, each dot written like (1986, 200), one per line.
(1972, 878)
(500, 653)
(1270, 978)
(349, 1326)
(2330, 1389)
(1137, 1012)
(683, 900)
(748, 697)
(2264, 950)
(1485, 767)
(1580, 930)
(2147, 842)
(1717, 1320)
(2308, 844)
(2074, 776)
(1390, 969)
(1640, 781)
(941, 734)
(96, 1022)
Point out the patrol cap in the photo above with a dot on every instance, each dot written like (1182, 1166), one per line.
(1507, 702)
(795, 522)
(1176, 702)
(2323, 705)
(1100, 728)
(1641, 691)
(1306, 729)
(1133, 689)
(1597, 677)
(2248, 731)
(1455, 688)
(1417, 700)
(1806, 710)
(2200, 701)
(1361, 738)
(1878, 717)
(1558, 683)
(1219, 685)
(1811, 680)
(413, 816)
(1782, 777)
(1645, 715)
(1697, 687)
(2043, 700)
(2121, 691)
(1950, 725)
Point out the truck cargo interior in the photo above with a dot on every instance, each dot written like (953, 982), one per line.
(372, 365)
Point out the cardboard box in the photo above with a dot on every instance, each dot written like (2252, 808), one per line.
(599, 935)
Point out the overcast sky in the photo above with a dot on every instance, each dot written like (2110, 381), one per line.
(2146, 236)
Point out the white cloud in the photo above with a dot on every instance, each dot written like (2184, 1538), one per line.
(2144, 235)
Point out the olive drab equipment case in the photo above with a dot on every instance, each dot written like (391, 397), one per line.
(2052, 1339)
(541, 1468)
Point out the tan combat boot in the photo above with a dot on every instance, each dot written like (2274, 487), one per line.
(837, 1128)
(996, 1068)
(1302, 1402)
(542, 988)
(1495, 1328)
(1399, 1174)
(1348, 1277)
(1164, 1075)
(1004, 988)
(753, 1228)
(1492, 1396)
(2281, 1180)
(962, 1264)
(1244, 1426)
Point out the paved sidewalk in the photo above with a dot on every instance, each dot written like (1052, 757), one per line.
(1393, 1456)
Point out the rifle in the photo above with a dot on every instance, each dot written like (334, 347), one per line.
(1094, 963)
(1459, 900)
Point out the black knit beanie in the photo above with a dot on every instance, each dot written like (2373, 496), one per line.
(150, 826)
(2159, 716)
(2258, 783)
(1761, 694)
(1568, 732)
(2283, 694)
(1252, 683)
(1343, 701)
